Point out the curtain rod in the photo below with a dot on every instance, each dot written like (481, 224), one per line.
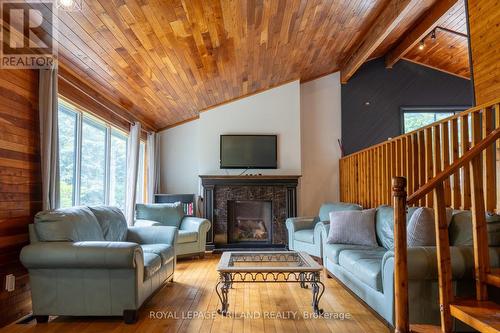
(101, 103)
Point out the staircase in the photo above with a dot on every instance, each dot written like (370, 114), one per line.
(478, 165)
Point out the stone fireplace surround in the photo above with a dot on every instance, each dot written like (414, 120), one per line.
(281, 191)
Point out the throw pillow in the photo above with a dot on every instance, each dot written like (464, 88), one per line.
(421, 229)
(352, 227)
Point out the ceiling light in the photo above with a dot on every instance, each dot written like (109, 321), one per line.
(422, 45)
(69, 5)
(433, 35)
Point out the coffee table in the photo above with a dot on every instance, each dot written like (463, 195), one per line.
(265, 267)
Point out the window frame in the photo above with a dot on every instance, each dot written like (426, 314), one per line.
(427, 109)
(81, 115)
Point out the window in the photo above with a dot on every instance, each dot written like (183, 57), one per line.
(92, 160)
(414, 118)
(93, 163)
(118, 169)
(67, 147)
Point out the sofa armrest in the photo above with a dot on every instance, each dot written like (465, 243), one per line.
(321, 230)
(146, 223)
(81, 255)
(200, 225)
(152, 235)
(299, 223)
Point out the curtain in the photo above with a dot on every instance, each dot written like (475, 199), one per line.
(132, 169)
(153, 148)
(49, 143)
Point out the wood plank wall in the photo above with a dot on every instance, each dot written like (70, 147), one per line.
(20, 183)
(365, 176)
(484, 18)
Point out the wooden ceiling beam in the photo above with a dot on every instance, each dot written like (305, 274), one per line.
(426, 25)
(389, 18)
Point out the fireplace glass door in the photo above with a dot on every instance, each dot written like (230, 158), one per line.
(249, 221)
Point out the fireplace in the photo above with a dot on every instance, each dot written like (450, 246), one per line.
(248, 211)
(249, 221)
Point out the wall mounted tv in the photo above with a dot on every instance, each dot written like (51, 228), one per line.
(248, 152)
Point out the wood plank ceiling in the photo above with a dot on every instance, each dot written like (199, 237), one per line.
(165, 61)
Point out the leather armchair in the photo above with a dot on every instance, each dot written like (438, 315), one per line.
(192, 230)
(303, 234)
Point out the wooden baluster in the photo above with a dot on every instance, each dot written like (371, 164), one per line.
(421, 162)
(402, 323)
(414, 166)
(409, 164)
(445, 159)
(443, 258)
(371, 179)
(464, 136)
(497, 155)
(429, 169)
(387, 178)
(490, 173)
(442, 242)
(455, 154)
(479, 228)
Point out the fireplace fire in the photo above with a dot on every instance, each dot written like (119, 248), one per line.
(249, 221)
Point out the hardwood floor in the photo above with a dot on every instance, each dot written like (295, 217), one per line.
(193, 294)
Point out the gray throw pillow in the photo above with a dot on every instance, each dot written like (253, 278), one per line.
(421, 230)
(352, 227)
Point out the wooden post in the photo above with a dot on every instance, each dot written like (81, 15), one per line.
(402, 322)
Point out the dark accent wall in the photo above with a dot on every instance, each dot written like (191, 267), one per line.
(407, 84)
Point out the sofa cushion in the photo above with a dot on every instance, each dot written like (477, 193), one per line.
(332, 251)
(328, 207)
(112, 222)
(366, 265)
(187, 236)
(169, 214)
(75, 224)
(166, 252)
(460, 229)
(384, 225)
(421, 229)
(304, 235)
(352, 227)
(152, 264)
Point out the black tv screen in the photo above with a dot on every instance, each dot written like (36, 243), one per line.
(248, 151)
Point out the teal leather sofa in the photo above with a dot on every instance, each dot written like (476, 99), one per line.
(369, 271)
(192, 230)
(303, 233)
(85, 261)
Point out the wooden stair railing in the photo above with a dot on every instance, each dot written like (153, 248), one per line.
(480, 313)
(365, 176)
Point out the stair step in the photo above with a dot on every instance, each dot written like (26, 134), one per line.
(493, 278)
(484, 316)
(421, 328)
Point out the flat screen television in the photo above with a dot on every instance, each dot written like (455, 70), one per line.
(248, 152)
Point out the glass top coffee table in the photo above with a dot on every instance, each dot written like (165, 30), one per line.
(265, 267)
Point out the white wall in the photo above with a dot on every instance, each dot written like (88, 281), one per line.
(179, 156)
(274, 111)
(320, 128)
(192, 149)
(306, 118)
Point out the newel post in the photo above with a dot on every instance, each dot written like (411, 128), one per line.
(402, 322)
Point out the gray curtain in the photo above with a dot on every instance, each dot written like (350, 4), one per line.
(49, 143)
(132, 169)
(153, 148)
